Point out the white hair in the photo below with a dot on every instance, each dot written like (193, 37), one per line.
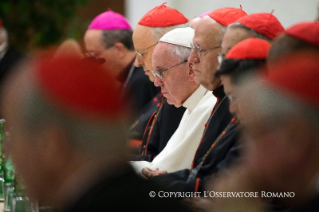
(181, 52)
(158, 32)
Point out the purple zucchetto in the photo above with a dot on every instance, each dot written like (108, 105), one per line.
(110, 20)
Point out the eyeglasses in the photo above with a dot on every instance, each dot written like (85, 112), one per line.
(220, 58)
(140, 54)
(199, 50)
(158, 73)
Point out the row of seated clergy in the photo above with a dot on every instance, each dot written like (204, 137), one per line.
(212, 155)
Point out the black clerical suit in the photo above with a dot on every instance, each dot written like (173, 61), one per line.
(144, 121)
(166, 121)
(9, 60)
(222, 155)
(137, 87)
(124, 191)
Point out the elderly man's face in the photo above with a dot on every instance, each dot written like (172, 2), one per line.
(174, 84)
(95, 47)
(144, 43)
(207, 34)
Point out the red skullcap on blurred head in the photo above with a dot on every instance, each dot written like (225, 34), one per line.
(80, 87)
(264, 23)
(0, 23)
(249, 49)
(162, 16)
(227, 15)
(305, 31)
(297, 75)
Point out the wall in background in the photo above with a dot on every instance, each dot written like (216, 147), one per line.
(287, 11)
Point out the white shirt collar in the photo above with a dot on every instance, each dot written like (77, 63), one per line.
(194, 99)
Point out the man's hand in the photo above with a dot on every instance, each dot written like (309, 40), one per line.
(148, 173)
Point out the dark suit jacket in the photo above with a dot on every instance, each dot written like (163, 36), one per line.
(223, 154)
(139, 90)
(10, 59)
(137, 129)
(124, 191)
(167, 121)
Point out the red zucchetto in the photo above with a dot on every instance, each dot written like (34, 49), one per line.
(227, 15)
(297, 75)
(305, 31)
(80, 87)
(162, 16)
(249, 49)
(264, 23)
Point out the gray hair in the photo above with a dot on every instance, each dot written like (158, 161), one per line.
(110, 37)
(222, 32)
(181, 52)
(85, 135)
(158, 32)
(253, 33)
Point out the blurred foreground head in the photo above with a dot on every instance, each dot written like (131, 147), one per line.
(65, 117)
(282, 121)
(301, 36)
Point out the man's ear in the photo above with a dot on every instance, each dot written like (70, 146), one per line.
(120, 49)
(191, 74)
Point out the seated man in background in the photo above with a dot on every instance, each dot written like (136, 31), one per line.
(253, 25)
(207, 41)
(270, 120)
(68, 140)
(109, 36)
(176, 80)
(165, 118)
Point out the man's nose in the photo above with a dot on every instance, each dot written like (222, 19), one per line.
(139, 61)
(158, 82)
(193, 58)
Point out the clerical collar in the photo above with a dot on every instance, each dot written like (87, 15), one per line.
(219, 92)
(195, 98)
(124, 74)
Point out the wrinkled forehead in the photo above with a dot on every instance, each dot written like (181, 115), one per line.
(207, 32)
(163, 54)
